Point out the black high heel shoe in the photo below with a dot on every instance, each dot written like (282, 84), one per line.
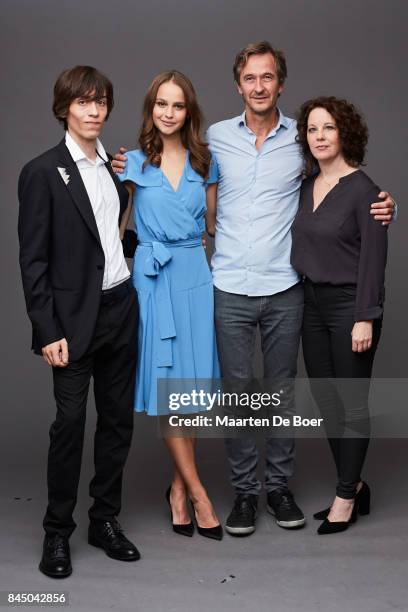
(362, 501)
(214, 533)
(328, 527)
(185, 530)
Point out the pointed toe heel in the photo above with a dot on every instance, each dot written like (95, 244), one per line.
(329, 527)
(214, 533)
(321, 515)
(363, 503)
(187, 529)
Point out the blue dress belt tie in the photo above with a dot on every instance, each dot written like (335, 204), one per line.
(154, 263)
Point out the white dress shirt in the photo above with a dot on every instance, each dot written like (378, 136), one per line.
(104, 199)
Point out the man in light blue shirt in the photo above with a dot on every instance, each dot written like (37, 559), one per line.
(257, 199)
(260, 167)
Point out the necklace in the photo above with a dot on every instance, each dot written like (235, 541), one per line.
(329, 184)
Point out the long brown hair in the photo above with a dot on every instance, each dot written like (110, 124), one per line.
(150, 140)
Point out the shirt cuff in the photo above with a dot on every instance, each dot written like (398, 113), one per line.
(369, 314)
(395, 213)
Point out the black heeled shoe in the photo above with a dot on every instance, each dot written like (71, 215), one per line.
(328, 527)
(362, 500)
(214, 533)
(185, 530)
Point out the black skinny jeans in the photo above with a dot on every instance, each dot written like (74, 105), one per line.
(326, 338)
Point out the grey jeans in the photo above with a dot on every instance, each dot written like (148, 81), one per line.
(279, 317)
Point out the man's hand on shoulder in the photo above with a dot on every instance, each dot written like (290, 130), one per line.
(119, 161)
(383, 211)
(56, 353)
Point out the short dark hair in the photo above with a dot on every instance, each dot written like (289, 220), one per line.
(260, 48)
(353, 131)
(80, 82)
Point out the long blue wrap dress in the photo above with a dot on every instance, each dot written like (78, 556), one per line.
(172, 279)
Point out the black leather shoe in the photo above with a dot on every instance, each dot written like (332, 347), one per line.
(363, 500)
(110, 537)
(56, 558)
(187, 529)
(287, 513)
(241, 521)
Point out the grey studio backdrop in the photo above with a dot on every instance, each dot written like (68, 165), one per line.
(350, 48)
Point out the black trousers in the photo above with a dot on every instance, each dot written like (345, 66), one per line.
(111, 361)
(326, 338)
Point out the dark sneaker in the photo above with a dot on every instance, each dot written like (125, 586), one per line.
(241, 521)
(287, 513)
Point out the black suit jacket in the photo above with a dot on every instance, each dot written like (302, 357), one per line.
(61, 256)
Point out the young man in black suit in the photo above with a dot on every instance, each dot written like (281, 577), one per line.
(84, 312)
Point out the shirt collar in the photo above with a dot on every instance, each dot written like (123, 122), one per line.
(283, 121)
(77, 154)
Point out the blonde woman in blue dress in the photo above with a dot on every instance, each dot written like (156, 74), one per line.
(172, 180)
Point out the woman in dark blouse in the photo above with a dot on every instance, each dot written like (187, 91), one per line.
(341, 251)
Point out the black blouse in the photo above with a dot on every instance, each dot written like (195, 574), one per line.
(341, 243)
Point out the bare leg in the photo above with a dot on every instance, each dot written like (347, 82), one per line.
(182, 452)
(178, 499)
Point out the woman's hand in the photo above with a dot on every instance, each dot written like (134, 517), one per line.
(362, 336)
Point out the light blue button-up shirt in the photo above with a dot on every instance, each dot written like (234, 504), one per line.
(258, 197)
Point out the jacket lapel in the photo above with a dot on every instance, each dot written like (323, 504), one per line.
(76, 189)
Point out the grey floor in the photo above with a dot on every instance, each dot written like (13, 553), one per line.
(362, 570)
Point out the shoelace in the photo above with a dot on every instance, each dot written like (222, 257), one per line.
(243, 506)
(58, 545)
(114, 529)
(286, 500)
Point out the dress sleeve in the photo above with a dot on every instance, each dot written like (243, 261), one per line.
(213, 172)
(132, 169)
(372, 261)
